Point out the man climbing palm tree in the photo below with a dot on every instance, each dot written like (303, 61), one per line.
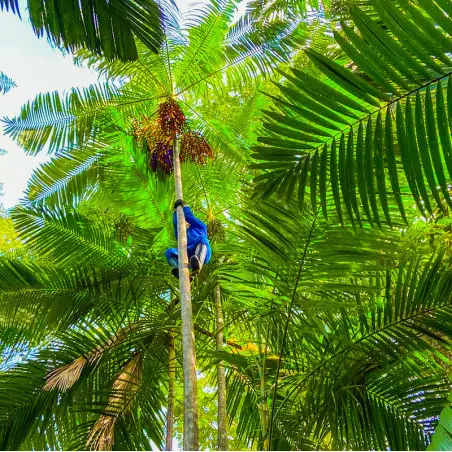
(198, 246)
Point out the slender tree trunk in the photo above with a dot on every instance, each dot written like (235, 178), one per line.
(188, 337)
(171, 378)
(263, 406)
(221, 378)
(263, 409)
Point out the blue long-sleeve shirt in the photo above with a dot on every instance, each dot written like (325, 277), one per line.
(196, 233)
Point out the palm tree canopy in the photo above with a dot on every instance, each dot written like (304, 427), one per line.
(328, 207)
(385, 121)
(198, 51)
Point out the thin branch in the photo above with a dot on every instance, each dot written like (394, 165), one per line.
(286, 328)
(203, 188)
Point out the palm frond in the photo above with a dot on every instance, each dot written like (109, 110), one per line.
(254, 50)
(5, 83)
(441, 440)
(10, 4)
(124, 389)
(249, 54)
(63, 236)
(267, 11)
(206, 30)
(67, 179)
(105, 28)
(409, 315)
(22, 409)
(39, 301)
(76, 412)
(358, 140)
(54, 122)
(136, 192)
(64, 377)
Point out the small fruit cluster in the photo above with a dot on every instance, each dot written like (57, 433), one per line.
(158, 135)
(195, 148)
(215, 230)
(124, 226)
(162, 157)
(171, 118)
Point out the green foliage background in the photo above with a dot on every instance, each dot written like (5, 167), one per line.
(328, 204)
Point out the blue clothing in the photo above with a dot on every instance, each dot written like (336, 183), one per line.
(196, 234)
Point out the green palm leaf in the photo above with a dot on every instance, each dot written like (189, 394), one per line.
(61, 235)
(58, 121)
(441, 440)
(104, 28)
(5, 83)
(386, 137)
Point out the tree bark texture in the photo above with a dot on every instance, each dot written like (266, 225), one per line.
(264, 412)
(188, 338)
(171, 378)
(221, 377)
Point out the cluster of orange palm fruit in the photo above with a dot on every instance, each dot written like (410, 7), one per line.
(159, 134)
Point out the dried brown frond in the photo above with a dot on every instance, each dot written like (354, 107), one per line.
(101, 436)
(131, 373)
(64, 377)
(126, 385)
(96, 354)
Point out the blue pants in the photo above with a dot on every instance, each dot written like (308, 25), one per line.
(172, 254)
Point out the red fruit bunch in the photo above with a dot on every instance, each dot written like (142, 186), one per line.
(171, 117)
(195, 148)
(158, 135)
(162, 157)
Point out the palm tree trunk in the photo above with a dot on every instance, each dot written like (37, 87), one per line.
(263, 406)
(171, 377)
(264, 412)
(188, 337)
(221, 378)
